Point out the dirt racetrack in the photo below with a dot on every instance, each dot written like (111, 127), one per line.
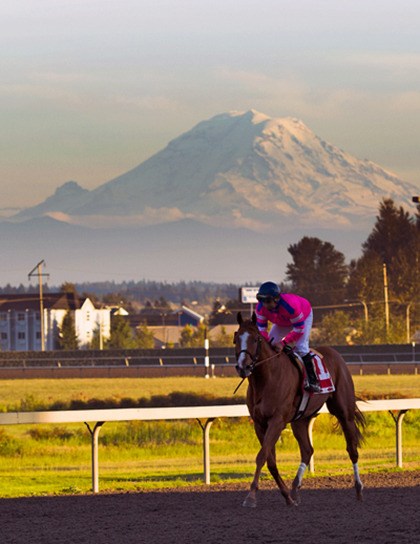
(328, 513)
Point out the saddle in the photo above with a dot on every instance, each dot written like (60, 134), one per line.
(323, 375)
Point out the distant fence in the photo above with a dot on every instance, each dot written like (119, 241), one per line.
(401, 359)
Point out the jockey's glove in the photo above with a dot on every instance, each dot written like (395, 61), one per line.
(286, 348)
(276, 347)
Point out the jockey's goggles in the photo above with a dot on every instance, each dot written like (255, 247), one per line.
(265, 299)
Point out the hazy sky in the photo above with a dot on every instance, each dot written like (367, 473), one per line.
(91, 88)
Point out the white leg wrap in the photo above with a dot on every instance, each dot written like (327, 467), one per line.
(356, 474)
(300, 473)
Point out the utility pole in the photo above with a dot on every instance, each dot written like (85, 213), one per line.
(386, 301)
(40, 275)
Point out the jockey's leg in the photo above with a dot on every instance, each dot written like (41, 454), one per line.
(313, 384)
(302, 349)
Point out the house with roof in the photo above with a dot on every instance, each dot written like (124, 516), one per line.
(166, 324)
(20, 320)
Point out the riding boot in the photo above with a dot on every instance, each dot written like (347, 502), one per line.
(312, 383)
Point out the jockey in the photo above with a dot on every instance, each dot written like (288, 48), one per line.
(291, 316)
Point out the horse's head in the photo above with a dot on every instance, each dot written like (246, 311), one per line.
(247, 342)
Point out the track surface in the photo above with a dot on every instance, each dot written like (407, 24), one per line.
(328, 514)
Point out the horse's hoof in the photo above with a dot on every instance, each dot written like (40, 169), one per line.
(291, 502)
(295, 495)
(250, 502)
(359, 490)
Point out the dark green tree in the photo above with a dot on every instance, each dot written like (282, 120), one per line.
(68, 287)
(395, 243)
(121, 334)
(318, 271)
(95, 342)
(67, 338)
(393, 231)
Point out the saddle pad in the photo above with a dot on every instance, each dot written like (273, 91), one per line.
(324, 377)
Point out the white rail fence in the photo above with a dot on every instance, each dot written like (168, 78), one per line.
(205, 415)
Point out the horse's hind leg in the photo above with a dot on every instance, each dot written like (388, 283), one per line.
(348, 419)
(301, 433)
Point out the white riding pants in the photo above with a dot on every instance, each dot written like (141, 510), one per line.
(277, 333)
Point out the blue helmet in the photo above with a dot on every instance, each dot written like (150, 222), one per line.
(268, 290)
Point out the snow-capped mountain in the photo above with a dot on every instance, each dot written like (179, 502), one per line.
(222, 202)
(238, 169)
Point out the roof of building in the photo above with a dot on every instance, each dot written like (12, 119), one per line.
(27, 301)
(192, 313)
(216, 331)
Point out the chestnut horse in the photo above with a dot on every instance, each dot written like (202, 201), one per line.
(273, 397)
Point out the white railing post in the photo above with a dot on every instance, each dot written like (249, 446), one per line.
(206, 448)
(95, 454)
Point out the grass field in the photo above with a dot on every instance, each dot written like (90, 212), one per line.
(55, 459)
(27, 395)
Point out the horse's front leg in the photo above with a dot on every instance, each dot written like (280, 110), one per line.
(268, 438)
(272, 467)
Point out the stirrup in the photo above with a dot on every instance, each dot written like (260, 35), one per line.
(312, 387)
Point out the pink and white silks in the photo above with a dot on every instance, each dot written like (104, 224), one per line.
(292, 322)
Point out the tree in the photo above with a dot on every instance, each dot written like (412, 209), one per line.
(395, 242)
(67, 338)
(223, 339)
(318, 271)
(121, 334)
(95, 343)
(366, 279)
(68, 287)
(144, 337)
(192, 338)
(394, 230)
(335, 329)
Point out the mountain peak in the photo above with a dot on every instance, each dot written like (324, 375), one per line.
(69, 188)
(238, 169)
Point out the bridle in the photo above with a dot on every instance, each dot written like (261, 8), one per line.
(254, 359)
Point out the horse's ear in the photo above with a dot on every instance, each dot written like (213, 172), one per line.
(254, 318)
(239, 318)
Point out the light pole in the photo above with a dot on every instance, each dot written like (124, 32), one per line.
(41, 300)
(408, 321)
(386, 301)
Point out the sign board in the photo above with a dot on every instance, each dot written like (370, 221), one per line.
(249, 295)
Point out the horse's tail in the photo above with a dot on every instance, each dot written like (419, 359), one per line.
(360, 422)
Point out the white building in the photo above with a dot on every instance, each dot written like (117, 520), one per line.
(20, 323)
